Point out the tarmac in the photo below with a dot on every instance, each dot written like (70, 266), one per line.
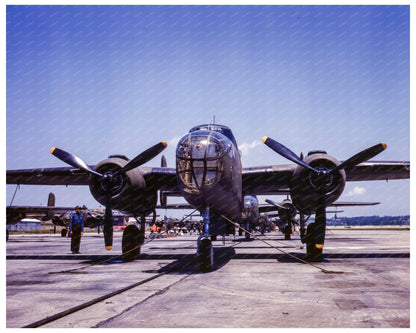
(364, 282)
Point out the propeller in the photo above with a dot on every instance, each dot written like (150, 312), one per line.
(107, 179)
(320, 213)
(273, 203)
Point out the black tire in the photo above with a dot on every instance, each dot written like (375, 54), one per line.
(312, 253)
(132, 239)
(206, 255)
(288, 232)
(63, 232)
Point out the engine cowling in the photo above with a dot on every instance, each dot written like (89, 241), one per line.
(307, 186)
(128, 190)
(290, 212)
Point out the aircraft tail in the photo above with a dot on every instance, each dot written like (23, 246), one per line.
(51, 203)
(51, 200)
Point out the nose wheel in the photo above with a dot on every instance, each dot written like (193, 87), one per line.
(206, 255)
(205, 252)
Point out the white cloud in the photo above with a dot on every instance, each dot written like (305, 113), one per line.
(356, 191)
(174, 141)
(246, 147)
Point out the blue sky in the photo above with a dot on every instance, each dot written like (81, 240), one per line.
(100, 80)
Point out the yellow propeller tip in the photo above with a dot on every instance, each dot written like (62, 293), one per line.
(319, 246)
(108, 248)
(384, 145)
(52, 150)
(264, 139)
(164, 143)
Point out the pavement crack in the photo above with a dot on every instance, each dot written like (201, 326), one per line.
(157, 293)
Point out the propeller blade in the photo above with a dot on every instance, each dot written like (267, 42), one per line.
(286, 152)
(271, 202)
(362, 156)
(108, 223)
(72, 160)
(144, 157)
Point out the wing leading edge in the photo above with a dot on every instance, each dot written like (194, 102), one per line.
(276, 179)
(161, 178)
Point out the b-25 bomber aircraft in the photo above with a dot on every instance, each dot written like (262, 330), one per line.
(60, 216)
(210, 176)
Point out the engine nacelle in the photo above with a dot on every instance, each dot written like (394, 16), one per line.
(307, 186)
(129, 191)
(289, 213)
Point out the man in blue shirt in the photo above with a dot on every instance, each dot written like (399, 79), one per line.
(76, 229)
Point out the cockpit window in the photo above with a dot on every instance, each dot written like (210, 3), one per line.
(199, 159)
(224, 130)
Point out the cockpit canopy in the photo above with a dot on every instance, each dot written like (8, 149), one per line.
(200, 158)
(224, 130)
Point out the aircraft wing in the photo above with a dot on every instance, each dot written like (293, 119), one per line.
(266, 208)
(276, 179)
(352, 203)
(379, 171)
(176, 206)
(15, 213)
(38, 209)
(161, 178)
(266, 180)
(47, 176)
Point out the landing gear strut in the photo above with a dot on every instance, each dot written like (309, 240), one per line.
(288, 230)
(247, 232)
(205, 251)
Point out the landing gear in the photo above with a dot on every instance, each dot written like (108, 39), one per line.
(288, 231)
(206, 255)
(247, 232)
(205, 251)
(313, 253)
(133, 238)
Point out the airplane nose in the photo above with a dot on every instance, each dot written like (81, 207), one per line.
(199, 159)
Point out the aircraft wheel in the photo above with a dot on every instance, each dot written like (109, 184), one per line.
(132, 239)
(312, 253)
(206, 255)
(63, 232)
(288, 232)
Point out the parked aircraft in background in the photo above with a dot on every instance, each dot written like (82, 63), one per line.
(287, 213)
(60, 216)
(210, 176)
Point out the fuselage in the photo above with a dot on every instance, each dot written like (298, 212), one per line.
(209, 170)
(251, 209)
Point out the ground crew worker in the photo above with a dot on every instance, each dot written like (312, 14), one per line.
(76, 229)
